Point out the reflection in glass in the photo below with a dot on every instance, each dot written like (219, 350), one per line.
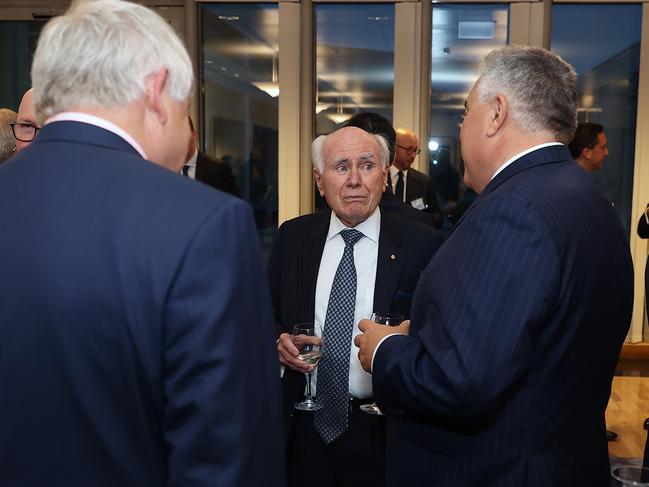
(240, 56)
(462, 36)
(602, 42)
(17, 44)
(354, 62)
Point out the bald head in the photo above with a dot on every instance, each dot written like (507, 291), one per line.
(407, 148)
(26, 115)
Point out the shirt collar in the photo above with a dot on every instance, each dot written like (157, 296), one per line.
(97, 122)
(192, 161)
(521, 154)
(370, 228)
(394, 171)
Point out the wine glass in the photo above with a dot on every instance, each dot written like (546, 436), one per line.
(387, 319)
(307, 337)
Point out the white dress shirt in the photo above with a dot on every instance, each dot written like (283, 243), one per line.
(97, 122)
(191, 172)
(393, 180)
(366, 253)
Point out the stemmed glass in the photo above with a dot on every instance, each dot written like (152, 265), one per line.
(307, 337)
(387, 319)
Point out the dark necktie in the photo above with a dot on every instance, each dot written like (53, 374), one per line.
(333, 371)
(186, 170)
(398, 190)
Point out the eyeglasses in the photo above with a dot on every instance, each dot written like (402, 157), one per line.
(411, 150)
(24, 132)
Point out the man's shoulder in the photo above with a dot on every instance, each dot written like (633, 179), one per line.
(410, 230)
(304, 223)
(418, 175)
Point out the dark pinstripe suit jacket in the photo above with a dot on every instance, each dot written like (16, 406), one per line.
(516, 327)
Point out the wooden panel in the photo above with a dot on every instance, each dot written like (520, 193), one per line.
(627, 409)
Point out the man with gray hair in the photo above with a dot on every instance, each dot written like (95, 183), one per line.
(505, 372)
(129, 352)
(335, 268)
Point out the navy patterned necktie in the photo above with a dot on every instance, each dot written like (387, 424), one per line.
(333, 370)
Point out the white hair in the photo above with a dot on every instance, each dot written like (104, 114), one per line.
(540, 87)
(101, 52)
(317, 150)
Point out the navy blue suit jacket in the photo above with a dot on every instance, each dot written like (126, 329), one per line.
(405, 248)
(516, 328)
(129, 352)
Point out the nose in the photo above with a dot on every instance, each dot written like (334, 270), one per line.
(354, 177)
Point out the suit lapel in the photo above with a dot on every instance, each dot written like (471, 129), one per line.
(316, 236)
(389, 264)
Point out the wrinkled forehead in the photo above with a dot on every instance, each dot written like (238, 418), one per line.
(347, 144)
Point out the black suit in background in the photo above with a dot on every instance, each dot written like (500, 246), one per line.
(405, 249)
(391, 204)
(216, 174)
(418, 185)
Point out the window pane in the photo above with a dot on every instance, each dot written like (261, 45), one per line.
(17, 44)
(240, 56)
(462, 36)
(602, 42)
(354, 62)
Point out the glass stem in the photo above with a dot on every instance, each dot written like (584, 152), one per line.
(308, 385)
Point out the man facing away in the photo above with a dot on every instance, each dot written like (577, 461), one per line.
(126, 331)
(409, 185)
(518, 320)
(335, 268)
(589, 146)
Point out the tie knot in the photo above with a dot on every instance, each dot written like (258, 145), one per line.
(351, 236)
(186, 170)
(400, 174)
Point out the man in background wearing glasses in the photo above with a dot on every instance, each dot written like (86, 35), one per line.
(409, 185)
(25, 128)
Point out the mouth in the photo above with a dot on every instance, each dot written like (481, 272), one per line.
(354, 198)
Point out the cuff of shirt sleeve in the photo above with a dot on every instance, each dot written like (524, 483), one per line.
(378, 345)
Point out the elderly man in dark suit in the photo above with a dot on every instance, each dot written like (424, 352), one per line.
(380, 257)
(126, 330)
(518, 320)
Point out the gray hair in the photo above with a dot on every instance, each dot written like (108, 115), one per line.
(7, 140)
(100, 53)
(540, 87)
(317, 151)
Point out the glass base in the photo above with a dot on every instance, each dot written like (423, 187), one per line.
(371, 409)
(308, 405)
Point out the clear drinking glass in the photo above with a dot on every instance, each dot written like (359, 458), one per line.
(387, 319)
(630, 475)
(307, 337)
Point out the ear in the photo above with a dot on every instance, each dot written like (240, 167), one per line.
(318, 181)
(498, 108)
(386, 171)
(154, 96)
(587, 153)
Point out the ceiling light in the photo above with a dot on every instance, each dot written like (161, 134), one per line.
(270, 87)
(433, 145)
(339, 117)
